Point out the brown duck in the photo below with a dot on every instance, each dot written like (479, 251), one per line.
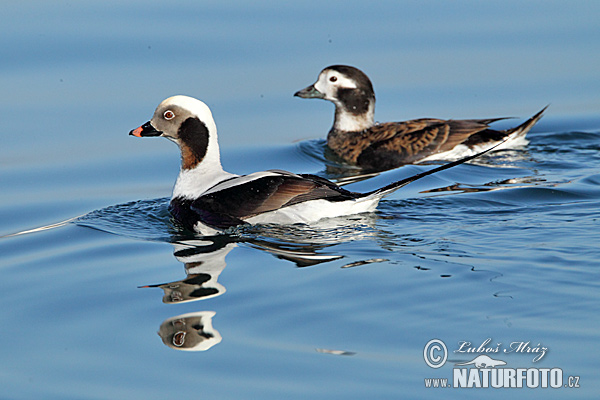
(358, 140)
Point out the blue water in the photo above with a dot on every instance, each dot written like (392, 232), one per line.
(504, 248)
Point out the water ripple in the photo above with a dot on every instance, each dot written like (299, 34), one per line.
(142, 219)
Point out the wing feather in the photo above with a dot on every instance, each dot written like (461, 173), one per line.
(388, 145)
(267, 193)
(415, 140)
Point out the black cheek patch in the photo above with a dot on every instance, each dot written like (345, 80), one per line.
(355, 100)
(194, 134)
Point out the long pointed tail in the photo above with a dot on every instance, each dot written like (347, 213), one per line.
(527, 125)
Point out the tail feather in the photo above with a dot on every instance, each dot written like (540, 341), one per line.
(488, 121)
(527, 125)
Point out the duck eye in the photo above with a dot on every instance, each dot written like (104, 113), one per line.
(333, 79)
(169, 115)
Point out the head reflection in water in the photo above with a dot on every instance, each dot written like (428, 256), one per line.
(190, 332)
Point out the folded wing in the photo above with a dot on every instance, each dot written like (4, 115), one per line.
(237, 202)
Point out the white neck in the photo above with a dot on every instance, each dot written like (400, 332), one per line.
(192, 183)
(347, 122)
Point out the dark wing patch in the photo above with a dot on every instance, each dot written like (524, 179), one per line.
(184, 213)
(486, 136)
(230, 206)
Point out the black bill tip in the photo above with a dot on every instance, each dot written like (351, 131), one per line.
(309, 93)
(145, 130)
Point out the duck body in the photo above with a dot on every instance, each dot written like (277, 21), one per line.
(207, 199)
(358, 140)
(269, 197)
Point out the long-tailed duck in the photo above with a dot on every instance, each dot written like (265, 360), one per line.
(358, 140)
(207, 199)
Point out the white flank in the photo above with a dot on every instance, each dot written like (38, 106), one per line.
(516, 140)
(314, 210)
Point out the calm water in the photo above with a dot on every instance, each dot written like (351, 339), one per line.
(505, 248)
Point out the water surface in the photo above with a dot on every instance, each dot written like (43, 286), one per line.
(503, 248)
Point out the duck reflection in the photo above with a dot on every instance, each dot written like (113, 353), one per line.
(204, 260)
